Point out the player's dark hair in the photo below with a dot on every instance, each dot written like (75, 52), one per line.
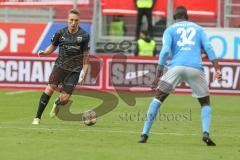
(180, 13)
(74, 11)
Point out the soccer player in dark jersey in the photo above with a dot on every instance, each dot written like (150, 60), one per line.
(71, 64)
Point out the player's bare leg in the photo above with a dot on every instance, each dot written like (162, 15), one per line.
(206, 119)
(62, 100)
(43, 103)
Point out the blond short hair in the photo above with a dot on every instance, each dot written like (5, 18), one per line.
(74, 11)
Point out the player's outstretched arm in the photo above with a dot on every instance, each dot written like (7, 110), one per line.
(211, 55)
(167, 41)
(160, 69)
(85, 67)
(50, 49)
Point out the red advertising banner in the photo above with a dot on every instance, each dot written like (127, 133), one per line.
(20, 37)
(230, 83)
(33, 72)
(111, 73)
(137, 75)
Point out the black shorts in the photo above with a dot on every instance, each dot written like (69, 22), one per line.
(67, 79)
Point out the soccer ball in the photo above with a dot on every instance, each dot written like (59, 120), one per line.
(89, 117)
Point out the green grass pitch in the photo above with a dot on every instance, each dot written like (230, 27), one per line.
(115, 135)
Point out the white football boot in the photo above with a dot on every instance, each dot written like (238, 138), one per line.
(36, 121)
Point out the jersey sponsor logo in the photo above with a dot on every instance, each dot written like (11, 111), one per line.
(68, 47)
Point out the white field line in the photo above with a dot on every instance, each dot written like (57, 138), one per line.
(112, 131)
(17, 92)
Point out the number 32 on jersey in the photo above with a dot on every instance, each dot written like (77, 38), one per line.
(186, 36)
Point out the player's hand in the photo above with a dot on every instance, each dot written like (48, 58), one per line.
(41, 53)
(218, 75)
(82, 77)
(155, 83)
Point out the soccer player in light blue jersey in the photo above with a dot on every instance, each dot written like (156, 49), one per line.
(183, 42)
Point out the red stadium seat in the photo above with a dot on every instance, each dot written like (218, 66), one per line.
(202, 8)
(199, 8)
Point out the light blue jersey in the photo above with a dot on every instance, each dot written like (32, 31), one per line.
(184, 41)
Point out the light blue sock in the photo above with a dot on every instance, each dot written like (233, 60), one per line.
(152, 112)
(206, 118)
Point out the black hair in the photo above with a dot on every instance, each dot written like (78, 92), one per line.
(180, 13)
